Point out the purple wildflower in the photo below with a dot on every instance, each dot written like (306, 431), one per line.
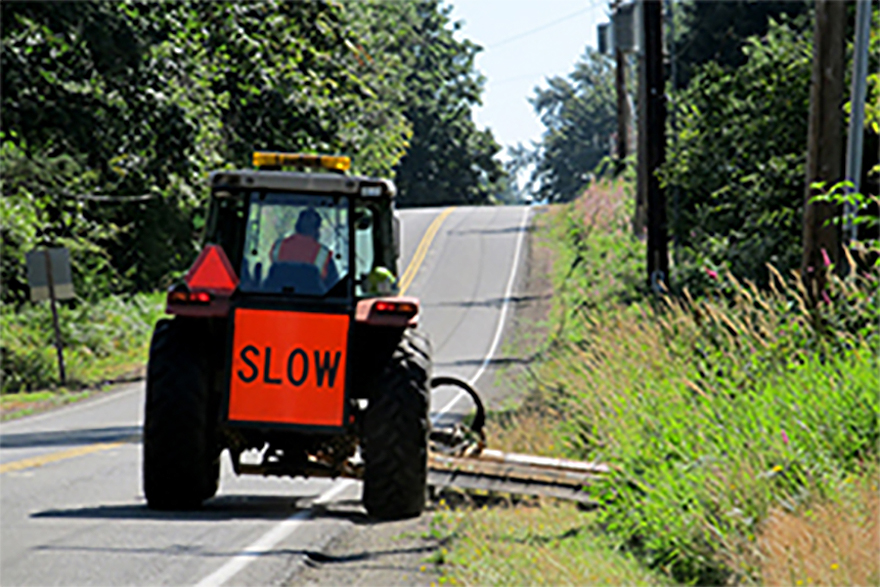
(712, 273)
(825, 297)
(825, 258)
(784, 437)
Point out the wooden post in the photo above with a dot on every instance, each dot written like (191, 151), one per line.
(824, 143)
(655, 143)
(58, 346)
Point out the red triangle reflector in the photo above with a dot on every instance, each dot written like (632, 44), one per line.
(213, 271)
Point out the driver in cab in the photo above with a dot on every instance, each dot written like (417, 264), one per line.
(303, 247)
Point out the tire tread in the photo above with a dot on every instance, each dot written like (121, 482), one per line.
(396, 430)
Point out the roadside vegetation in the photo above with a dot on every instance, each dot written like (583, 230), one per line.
(741, 426)
(103, 341)
(491, 539)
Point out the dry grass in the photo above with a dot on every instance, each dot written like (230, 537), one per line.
(531, 428)
(601, 205)
(829, 544)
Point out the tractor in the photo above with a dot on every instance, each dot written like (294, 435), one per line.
(288, 345)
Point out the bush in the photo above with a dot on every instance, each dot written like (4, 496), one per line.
(737, 163)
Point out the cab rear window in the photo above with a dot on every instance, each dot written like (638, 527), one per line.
(295, 244)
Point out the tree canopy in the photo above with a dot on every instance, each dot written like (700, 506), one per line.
(708, 30)
(448, 160)
(114, 112)
(738, 159)
(737, 162)
(580, 116)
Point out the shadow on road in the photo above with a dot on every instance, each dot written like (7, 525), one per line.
(131, 434)
(224, 507)
(314, 557)
(364, 555)
(508, 230)
(490, 303)
(495, 362)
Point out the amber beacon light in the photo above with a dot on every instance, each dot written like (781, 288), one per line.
(330, 162)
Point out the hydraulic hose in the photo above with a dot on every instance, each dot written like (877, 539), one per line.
(480, 419)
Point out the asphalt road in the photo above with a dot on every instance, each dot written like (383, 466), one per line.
(72, 510)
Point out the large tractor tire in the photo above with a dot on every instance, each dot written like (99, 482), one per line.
(396, 430)
(181, 466)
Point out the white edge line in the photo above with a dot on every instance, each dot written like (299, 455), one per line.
(286, 527)
(268, 540)
(501, 320)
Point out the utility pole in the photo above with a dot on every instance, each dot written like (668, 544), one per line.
(652, 140)
(623, 115)
(824, 143)
(640, 218)
(624, 40)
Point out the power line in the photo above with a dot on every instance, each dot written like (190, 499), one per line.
(117, 199)
(544, 26)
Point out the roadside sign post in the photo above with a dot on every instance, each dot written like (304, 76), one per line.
(49, 278)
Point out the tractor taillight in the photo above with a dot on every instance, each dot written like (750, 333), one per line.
(395, 312)
(405, 308)
(200, 297)
(188, 297)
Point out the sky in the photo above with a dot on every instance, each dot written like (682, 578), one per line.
(524, 42)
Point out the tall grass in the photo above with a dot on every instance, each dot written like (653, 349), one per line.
(101, 341)
(713, 411)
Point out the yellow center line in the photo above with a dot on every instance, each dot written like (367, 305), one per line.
(405, 281)
(59, 456)
(422, 250)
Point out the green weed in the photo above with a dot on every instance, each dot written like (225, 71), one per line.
(19, 405)
(102, 341)
(551, 545)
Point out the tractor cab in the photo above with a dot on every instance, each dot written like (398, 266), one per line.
(291, 233)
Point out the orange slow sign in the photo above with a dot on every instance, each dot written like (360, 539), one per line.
(288, 367)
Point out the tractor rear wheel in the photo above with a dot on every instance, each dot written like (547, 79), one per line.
(181, 466)
(396, 430)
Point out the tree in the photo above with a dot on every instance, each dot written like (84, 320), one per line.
(580, 115)
(448, 159)
(738, 161)
(137, 101)
(708, 30)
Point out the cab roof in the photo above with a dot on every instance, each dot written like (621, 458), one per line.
(370, 187)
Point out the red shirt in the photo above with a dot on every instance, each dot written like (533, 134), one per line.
(300, 248)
